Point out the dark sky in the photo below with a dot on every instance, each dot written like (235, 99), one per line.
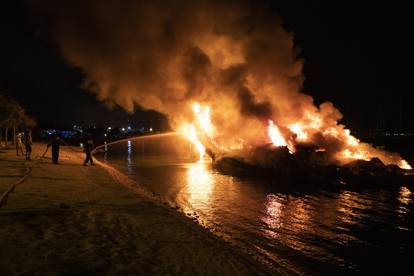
(356, 55)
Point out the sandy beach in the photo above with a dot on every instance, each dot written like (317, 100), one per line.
(68, 219)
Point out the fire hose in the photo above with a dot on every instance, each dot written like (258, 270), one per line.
(5, 195)
(64, 142)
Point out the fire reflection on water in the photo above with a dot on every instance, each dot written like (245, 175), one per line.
(352, 207)
(273, 214)
(405, 195)
(405, 198)
(129, 154)
(287, 229)
(199, 183)
(287, 217)
(290, 219)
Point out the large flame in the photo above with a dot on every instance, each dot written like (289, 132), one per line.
(203, 118)
(202, 126)
(233, 59)
(298, 132)
(189, 131)
(275, 136)
(404, 165)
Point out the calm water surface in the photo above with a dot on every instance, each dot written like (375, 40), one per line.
(305, 232)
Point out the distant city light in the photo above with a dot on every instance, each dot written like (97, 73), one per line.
(105, 134)
(123, 129)
(77, 128)
(151, 129)
(129, 128)
(109, 128)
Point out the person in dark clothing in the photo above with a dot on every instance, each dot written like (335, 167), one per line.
(28, 144)
(88, 151)
(55, 144)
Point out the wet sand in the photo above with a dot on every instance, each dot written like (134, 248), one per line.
(70, 219)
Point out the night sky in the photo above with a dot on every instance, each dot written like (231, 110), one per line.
(356, 55)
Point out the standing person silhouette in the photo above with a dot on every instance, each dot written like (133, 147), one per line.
(88, 151)
(28, 144)
(19, 144)
(55, 143)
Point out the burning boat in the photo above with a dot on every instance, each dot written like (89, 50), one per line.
(226, 74)
(310, 154)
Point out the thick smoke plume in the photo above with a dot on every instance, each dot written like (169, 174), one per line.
(233, 56)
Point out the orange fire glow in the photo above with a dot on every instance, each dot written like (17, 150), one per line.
(219, 70)
(202, 129)
(202, 126)
(202, 114)
(299, 130)
(404, 165)
(194, 139)
(276, 137)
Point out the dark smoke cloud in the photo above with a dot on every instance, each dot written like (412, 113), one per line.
(249, 107)
(161, 54)
(233, 56)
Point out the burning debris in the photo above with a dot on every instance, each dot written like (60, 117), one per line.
(297, 157)
(225, 72)
(296, 151)
(308, 167)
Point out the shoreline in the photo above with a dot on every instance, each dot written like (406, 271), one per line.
(69, 218)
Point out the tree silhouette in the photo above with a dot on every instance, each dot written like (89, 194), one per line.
(12, 116)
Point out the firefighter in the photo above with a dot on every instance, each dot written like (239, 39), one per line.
(88, 151)
(28, 144)
(55, 144)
